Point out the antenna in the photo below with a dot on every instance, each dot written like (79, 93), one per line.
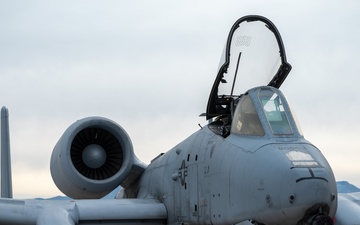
(5, 161)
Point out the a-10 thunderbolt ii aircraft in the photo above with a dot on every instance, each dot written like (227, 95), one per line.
(249, 165)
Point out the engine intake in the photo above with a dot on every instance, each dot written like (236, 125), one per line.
(96, 153)
(92, 158)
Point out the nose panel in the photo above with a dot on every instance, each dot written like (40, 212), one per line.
(296, 183)
(307, 192)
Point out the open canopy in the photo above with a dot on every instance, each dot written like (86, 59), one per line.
(254, 55)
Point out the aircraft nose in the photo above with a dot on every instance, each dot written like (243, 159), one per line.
(309, 191)
(299, 188)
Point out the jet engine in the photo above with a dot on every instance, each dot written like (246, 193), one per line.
(93, 157)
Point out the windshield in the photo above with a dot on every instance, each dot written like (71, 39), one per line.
(264, 110)
(274, 112)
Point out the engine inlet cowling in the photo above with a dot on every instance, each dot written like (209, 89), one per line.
(92, 158)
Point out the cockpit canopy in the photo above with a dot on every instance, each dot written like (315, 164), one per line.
(254, 55)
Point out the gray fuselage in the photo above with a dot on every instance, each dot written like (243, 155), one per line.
(271, 179)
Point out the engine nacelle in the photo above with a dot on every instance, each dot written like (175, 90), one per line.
(93, 157)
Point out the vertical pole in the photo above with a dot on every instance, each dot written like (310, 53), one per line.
(6, 181)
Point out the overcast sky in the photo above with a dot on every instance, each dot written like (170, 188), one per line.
(150, 65)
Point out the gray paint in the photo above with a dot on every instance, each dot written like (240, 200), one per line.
(348, 212)
(238, 178)
(111, 211)
(219, 175)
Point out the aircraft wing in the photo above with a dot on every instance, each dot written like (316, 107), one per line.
(348, 212)
(70, 212)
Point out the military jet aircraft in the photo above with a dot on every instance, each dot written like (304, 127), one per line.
(249, 165)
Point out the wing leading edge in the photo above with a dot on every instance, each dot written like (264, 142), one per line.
(70, 212)
(348, 211)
